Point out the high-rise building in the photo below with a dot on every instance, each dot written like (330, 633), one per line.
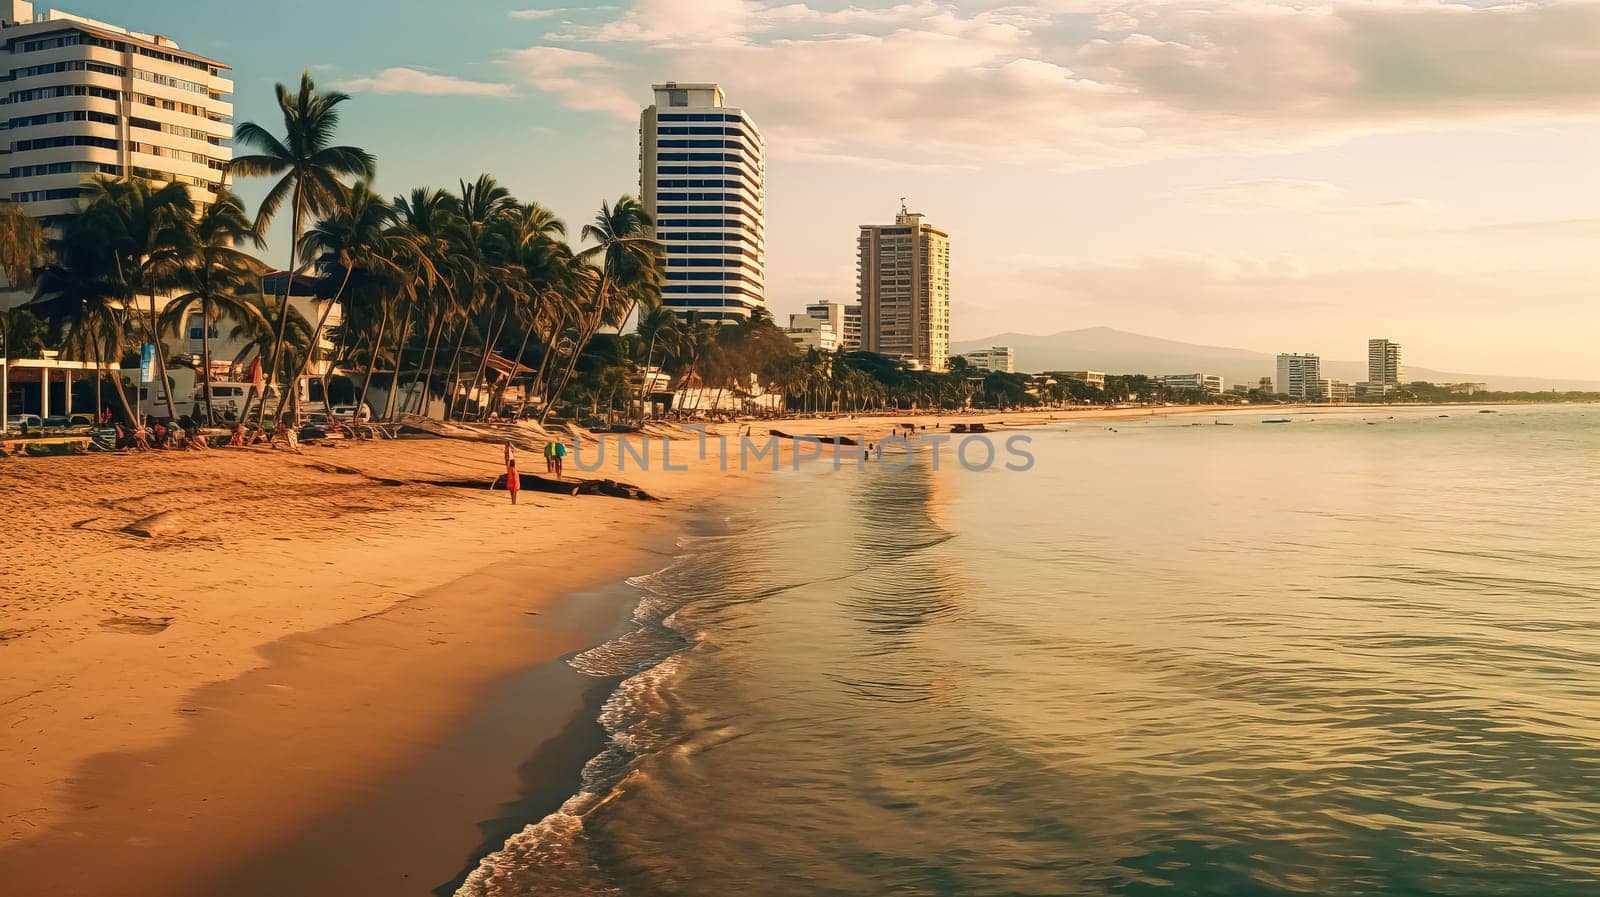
(1384, 370)
(903, 276)
(85, 98)
(846, 321)
(1299, 376)
(702, 177)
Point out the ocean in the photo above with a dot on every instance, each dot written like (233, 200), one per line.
(1355, 654)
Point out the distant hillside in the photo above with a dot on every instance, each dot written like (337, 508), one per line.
(1120, 352)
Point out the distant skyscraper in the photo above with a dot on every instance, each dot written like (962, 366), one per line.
(903, 277)
(846, 321)
(702, 177)
(1299, 376)
(1384, 370)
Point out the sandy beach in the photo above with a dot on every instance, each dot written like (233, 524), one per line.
(284, 665)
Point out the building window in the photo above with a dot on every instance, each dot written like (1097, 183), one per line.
(677, 98)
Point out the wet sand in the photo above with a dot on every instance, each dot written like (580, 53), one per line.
(290, 687)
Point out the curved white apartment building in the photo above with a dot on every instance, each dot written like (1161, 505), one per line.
(82, 98)
(702, 177)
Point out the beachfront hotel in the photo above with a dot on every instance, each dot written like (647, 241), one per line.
(1298, 376)
(903, 278)
(702, 178)
(1385, 371)
(87, 98)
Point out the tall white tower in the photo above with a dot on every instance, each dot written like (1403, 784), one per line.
(702, 177)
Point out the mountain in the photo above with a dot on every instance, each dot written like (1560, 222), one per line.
(1120, 352)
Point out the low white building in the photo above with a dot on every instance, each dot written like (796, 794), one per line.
(810, 333)
(1206, 383)
(995, 358)
(1097, 379)
(846, 321)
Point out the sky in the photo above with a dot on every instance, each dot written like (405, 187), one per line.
(1278, 176)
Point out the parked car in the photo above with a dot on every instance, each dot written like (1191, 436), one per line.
(18, 421)
(57, 422)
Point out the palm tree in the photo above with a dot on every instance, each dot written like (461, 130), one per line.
(310, 170)
(81, 292)
(483, 241)
(353, 239)
(427, 218)
(658, 326)
(148, 228)
(22, 245)
(625, 254)
(259, 334)
(216, 277)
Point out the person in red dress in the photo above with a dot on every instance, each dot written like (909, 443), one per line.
(513, 481)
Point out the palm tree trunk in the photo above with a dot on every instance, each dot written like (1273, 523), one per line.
(372, 362)
(316, 340)
(644, 376)
(455, 367)
(205, 358)
(116, 381)
(500, 394)
(399, 363)
(283, 311)
(551, 345)
(436, 336)
(483, 362)
(587, 334)
(161, 358)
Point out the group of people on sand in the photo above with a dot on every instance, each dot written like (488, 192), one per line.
(555, 455)
(181, 435)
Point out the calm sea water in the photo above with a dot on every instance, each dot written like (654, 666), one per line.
(1349, 655)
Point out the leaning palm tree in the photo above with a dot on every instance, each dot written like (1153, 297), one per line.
(22, 245)
(625, 254)
(216, 277)
(352, 241)
(427, 218)
(310, 170)
(149, 230)
(659, 327)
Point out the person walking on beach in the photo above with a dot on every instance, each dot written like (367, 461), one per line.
(550, 456)
(513, 479)
(560, 454)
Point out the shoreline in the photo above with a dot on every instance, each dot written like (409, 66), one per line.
(340, 706)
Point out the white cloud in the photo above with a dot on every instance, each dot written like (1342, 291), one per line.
(416, 81)
(952, 82)
(534, 13)
(582, 81)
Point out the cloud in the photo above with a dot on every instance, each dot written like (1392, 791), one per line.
(416, 81)
(582, 81)
(1272, 194)
(534, 13)
(1092, 83)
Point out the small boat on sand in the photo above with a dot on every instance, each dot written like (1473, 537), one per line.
(1277, 420)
